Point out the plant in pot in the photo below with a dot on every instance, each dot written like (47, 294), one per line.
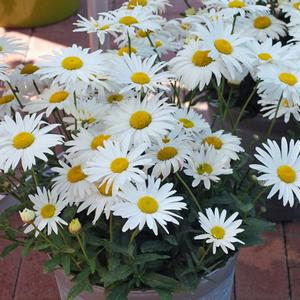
(130, 191)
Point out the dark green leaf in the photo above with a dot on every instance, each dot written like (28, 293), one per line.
(27, 247)
(9, 248)
(78, 288)
(144, 258)
(119, 274)
(52, 263)
(158, 281)
(118, 292)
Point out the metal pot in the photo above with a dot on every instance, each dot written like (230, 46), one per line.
(217, 285)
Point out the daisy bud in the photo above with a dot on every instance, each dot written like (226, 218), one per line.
(190, 11)
(263, 209)
(75, 226)
(255, 137)
(27, 215)
(253, 178)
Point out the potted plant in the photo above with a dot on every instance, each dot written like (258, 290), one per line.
(130, 193)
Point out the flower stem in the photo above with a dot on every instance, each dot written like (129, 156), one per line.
(34, 177)
(233, 23)
(134, 235)
(82, 247)
(36, 87)
(189, 190)
(15, 94)
(129, 44)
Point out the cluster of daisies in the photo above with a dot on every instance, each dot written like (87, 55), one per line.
(114, 121)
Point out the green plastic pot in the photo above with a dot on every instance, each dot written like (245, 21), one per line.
(34, 13)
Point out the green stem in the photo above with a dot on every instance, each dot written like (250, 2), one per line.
(259, 195)
(129, 44)
(233, 23)
(36, 87)
(59, 120)
(15, 94)
(82, 247)
(189, 190)
(205, 253)
(244, 108)
(134, 234)
(34, 177)
(75, 103)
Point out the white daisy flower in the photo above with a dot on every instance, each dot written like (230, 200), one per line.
(116, 164)
(149, 204)
(225, 143)
(71, 181)
(101, 26)
(140, 75)
(24, 77)
(101, 200)
(219, 231)
(194, 66)
(72, 64)
(25, 140)
(86, 142)
(48, 206)
(279, 81)
(280, 168)
(291, 8)
(157, 6)
(231, 8)
(286, 109)
(133, 19)
(229, 48)
(261, 27)
(3, 72)
(10, 45)
(190, 121)
(206, 165)
(115, 96)
(55, 97)
(169, 156)
(141, 121)
(8, 104)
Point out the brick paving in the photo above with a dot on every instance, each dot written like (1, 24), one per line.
(268, 271)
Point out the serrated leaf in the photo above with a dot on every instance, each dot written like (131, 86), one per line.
(7, 249)
(121, 273)
(158, 281)
(27, 247)
(118, 292)
(144, 258)
(171, 240)
(78, 288)
(52, 263)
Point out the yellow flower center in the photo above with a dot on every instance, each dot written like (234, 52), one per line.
(75, 174)
(29, 69)
(141, 33)
(48, 211)
(185, 26)
(72, 63)
(296, 5)
(91, 120)
(98, 141)
(133, 3)
(287, 174)
(23, 140)
(223, 46)
(165, 140)
(102, 27)
(186, 123)
(265, 56)
(119, 165)
(128, 20)
(140, 120)
(262, 22)
(288, 78)
(126, 50)
(204, 168)
(102, 190)
(285, 103)
(213, 141)
(115, 98)
(201, 58)
(217, 232)
(147, 205)
(58, 97)
(166, 153)
(236, 4)
(6, 99)
(140, 78)
(158, 44)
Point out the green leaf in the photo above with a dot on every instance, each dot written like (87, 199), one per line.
(9, 248)
(52, 263)
(155, 246)
(78, 288)
(158, 281)
(171, 240)
(164, 295)
(118, 292)
(121, 273)
(42, 246)
(27, 247)
(83, 275)
(144, 258)
(66, 263)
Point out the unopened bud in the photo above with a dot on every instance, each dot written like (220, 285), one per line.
(263, 209)
(190, 11)
(75, 226)
(253, 178)
(27, 215)
(255, 137)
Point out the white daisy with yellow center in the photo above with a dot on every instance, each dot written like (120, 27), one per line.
(141, 121)
(140, 75)
(195, 67)
(169, 156)
(117, 164)
(10, 45)
(206, 165)
(280, 168)
(99, 201)
(8, 104)
(55, 97)
(87, 141)
(149, 203)
(71, 181)
(290, 8)
(225, 143)
(280, 81)
(48, 206)
(219, 231)
(25, 140)
(73, 64)
(230, 50)
(3, 72)
(261, 27)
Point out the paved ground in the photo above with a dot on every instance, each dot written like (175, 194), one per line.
(267, 272)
